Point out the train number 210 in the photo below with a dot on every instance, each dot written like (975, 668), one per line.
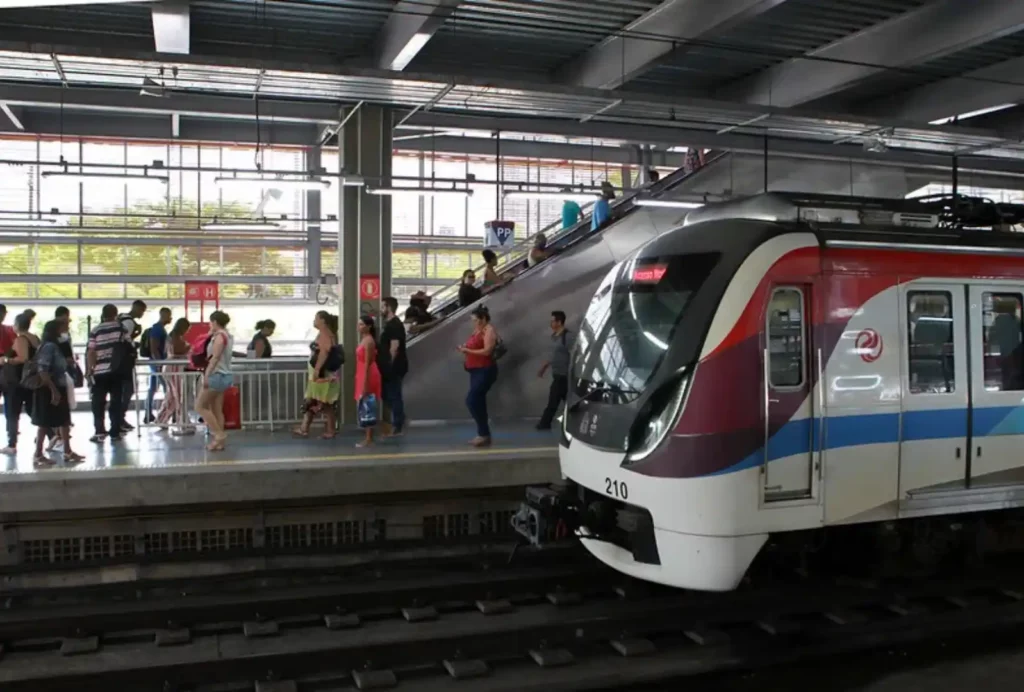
(616, 489)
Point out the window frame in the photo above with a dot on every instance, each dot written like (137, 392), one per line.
(989, 293)
(799, 290)
(950, 304)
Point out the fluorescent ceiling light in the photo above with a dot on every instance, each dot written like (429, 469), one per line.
(259, 182)
(420, 191)
(409, 51)
(972, 114)
(123, 177)
(240, 225)
(668, 203)
(11, 4)
(553, 194)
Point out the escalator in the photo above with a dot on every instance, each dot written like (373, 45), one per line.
(436, 386)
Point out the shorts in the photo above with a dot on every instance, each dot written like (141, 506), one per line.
(220, 381)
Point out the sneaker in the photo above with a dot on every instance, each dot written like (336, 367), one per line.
(149, 419)
(9, 451)
(127, 427)
(117, 438)
(100, 437)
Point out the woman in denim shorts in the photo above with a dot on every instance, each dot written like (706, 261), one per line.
(216, 379)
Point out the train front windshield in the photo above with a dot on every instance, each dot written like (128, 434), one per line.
(631, 322)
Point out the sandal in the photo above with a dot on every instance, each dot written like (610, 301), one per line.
(481, 442)
(41, 461)
(72, 458)
(329, 436)
(299, 432)
(362, 444)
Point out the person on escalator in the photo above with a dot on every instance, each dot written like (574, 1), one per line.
(571, 212)
(417, 317)
(481, 350)
(538, 253)
(602, 212)
(491, 278)
(468, 292)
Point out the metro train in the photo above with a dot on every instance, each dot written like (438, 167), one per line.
(789, 363)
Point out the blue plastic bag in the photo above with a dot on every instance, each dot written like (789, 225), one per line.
(367, 411)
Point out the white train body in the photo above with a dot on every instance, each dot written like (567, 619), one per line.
(807, 378)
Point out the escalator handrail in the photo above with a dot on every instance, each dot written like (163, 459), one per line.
(564, 240)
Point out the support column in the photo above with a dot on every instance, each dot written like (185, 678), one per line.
(364, 229)
(313, 268)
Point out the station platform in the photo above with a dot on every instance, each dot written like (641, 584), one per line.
(156, 469)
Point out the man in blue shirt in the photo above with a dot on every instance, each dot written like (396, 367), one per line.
(156, 347)
(602, 208)
(571, 212)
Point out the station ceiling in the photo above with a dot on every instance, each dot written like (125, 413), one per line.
(814, 76)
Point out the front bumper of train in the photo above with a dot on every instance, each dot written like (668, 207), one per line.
(687, 554)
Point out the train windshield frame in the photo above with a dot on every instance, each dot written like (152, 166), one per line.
(633, 319)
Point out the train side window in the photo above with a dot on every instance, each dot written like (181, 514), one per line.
(931, 353)
(1003, 353)
(786, 337)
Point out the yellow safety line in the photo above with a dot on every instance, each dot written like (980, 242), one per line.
(261, 462)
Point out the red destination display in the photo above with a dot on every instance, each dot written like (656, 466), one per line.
(649, 275)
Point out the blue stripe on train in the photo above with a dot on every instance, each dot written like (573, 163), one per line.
(801, 436)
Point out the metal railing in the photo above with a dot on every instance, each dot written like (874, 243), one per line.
(513, 262)
(271, 393)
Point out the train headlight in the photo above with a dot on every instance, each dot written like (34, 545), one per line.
(657, 422)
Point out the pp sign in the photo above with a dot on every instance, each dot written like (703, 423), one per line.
(499, 234)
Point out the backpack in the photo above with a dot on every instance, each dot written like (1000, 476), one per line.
(198, 360)
(144, 341)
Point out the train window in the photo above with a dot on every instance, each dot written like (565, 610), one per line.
(1003, 353)
(786, 337)
(931, 353)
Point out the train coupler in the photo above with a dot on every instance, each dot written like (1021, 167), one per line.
(549, 513)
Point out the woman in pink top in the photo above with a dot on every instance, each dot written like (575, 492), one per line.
(367, 375)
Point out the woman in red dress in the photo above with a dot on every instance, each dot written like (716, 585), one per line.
(367, 375)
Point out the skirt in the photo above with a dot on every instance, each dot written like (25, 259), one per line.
(46, 414)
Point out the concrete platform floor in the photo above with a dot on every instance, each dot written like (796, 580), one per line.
(155, 468)
(150, 448)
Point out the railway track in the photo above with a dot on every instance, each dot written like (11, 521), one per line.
(548, 620)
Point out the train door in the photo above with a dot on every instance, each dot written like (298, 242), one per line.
(788, 400)
(934, 441)
(997, 383)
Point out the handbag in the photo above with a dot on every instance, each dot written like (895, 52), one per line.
(367, 411)
(499, 350)
(30, 378)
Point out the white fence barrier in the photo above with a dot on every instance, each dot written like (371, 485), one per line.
(271, 392)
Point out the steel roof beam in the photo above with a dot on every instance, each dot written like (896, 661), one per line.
(121, 101)
(937, 29)
(651, 38)
(990, 86)
(172, 26)
(689, 136)
(411, 24)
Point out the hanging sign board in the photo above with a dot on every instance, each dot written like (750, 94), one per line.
(499, 234)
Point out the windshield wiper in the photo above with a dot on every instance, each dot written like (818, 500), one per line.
(597, 389)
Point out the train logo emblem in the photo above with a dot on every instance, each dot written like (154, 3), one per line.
(869, 345)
